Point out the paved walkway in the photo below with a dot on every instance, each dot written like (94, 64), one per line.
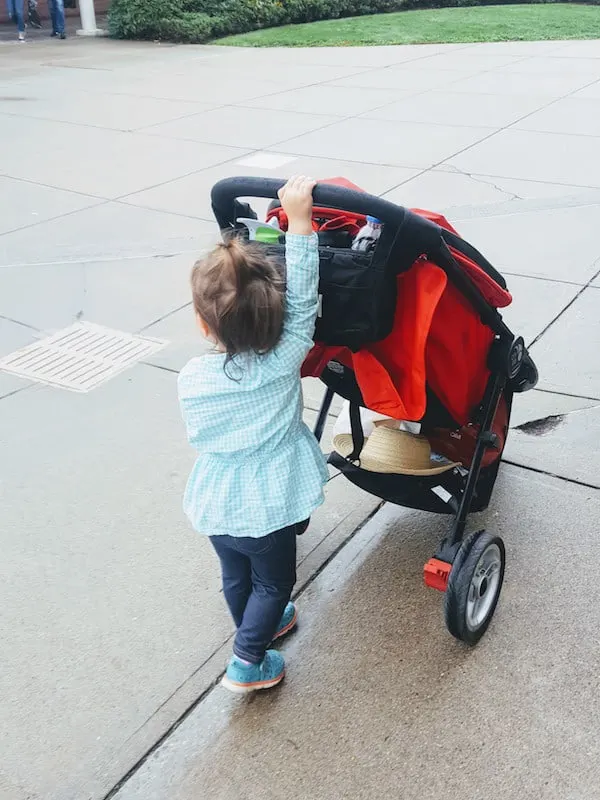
(111, 615)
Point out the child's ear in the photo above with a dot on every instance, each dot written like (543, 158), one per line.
(203, 326)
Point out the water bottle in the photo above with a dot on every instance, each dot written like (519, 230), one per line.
(366, 239)
(259, 231)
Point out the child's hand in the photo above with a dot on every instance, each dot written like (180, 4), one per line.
(296, 200)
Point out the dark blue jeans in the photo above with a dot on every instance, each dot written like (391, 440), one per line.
(258, 578)
(15, 11)
(57, 15)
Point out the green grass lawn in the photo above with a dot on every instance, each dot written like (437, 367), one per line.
(475, 24)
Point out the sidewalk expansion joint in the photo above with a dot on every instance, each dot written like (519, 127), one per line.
(568, 305)
(551, 475)
(195, 703)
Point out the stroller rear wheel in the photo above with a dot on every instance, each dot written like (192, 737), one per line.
(474, 586)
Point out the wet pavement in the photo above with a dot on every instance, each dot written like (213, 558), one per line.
(111, 609)
(378, 700)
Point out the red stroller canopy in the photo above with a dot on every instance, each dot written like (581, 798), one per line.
(437, 340)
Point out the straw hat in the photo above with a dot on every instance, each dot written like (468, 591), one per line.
(392, 451)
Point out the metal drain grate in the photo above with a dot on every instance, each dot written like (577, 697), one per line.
(80, 357)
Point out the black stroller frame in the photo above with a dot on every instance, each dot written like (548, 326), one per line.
(469, 569)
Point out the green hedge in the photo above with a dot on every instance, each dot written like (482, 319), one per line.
(192, 28)
(198, 21)
(139, 19)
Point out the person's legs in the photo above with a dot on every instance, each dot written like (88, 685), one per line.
(59, 6)
(57, 16)
(15, 10)
(273, 562)
(52, 12)
(235, 569)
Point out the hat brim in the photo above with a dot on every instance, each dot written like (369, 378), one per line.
(343, 444)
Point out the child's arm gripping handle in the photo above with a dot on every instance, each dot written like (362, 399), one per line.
(225, 193)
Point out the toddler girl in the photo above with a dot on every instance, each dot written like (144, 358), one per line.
(260, 472)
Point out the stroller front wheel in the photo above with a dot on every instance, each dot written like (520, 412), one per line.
(474, 586)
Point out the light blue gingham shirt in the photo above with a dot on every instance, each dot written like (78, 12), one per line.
(259, 467)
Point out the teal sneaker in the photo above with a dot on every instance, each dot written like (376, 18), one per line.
(245, 678)
(289, 618)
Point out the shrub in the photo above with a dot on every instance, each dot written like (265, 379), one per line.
(190, 27)
(139, 19)
(239, 16)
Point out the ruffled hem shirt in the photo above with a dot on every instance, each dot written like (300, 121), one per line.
(259, 467)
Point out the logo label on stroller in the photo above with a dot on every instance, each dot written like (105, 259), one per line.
(334, 366)
(441, 493)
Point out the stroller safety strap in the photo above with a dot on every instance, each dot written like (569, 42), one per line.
(358, 434)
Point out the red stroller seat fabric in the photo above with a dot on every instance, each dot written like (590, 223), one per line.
(437, 339)
(495, 295)
(392, 374)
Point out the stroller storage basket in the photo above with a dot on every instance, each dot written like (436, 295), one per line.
(436, 493)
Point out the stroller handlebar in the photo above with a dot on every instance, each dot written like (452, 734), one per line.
(226, 191)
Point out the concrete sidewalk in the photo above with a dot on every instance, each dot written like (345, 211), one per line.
(379, 702)
(111, 616)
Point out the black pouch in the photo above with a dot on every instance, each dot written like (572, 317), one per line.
(357, 299)
(357, 293)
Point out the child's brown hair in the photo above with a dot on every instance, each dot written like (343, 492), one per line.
(238, 292)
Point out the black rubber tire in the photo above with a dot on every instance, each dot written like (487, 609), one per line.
(457, 592)
(527, 376)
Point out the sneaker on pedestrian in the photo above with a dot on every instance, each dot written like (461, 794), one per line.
(21, 36)
(288, 621)
(243, 678)
(62, 35)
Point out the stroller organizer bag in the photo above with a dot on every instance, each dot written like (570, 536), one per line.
(409, 329)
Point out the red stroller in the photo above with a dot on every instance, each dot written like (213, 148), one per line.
(411, 330)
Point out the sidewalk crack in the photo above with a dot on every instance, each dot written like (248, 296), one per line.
(562, 311)
(481, 179)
